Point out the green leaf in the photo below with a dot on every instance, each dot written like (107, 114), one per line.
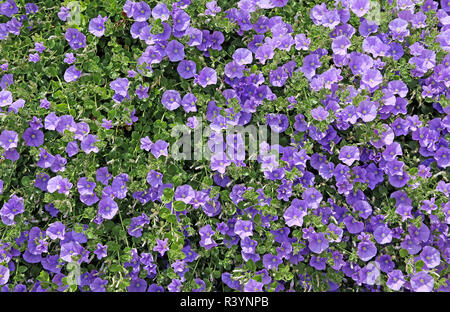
(179, 205)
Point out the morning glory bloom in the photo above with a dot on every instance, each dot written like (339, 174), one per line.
(181, 20)
(161, 246)
(97, 25)
(207, 76)
(107, 208)
(360, 7)
(243, 228)
(9, 139)
(5, 98)
(75, 38)
(4, 275)
(317, 242)
(33, 137)
(243, 56)
(293, 214)
(72, 74)
(159, 148)
(141, 11)
(161, 12)
(430, 256)
(175, 51)
(422, 282)
(88, 144)
(120, 86)
(187, 69)
(171, 99)
(56, 230)
(349, 154)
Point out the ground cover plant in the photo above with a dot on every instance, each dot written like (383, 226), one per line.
(125, 145)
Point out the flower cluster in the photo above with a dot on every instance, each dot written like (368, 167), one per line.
(352, 196)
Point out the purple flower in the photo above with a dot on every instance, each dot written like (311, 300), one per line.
(88, 144)
(317, 242)
(161, 246)
(154, 178)
(253, 286)
(192, 122)
(142, 92)
(219, 162)
(312, 198)
(318, 263)
(161, 12)
(101, 251)
(5, 98)
(97, 25)
(119, 186)
(85, 187)
(382, 234)
(294, 215)
(69, 58)
(60, 184)
(9, 139)
(207, 76)
(102, 175)
(8, 8)
(4, 275)
(175, 51)
(340, 45)
(56, 230)
(107, 124)
(363, 208)
(33, 137)
(34, 57)
(184, 193)
(366, 250)
(442, 156)
(171, 99)
(181, 20)
(278, 122)
(188, 103)
(360, 7)
(430, 256)
(13, 207)
(75, 38)
(212, 8)
(242, 56)
(243, 228)
(159, 148)
(319, 113)
(395, 280)
(39, 47)
(349, 154)
(120, 86)
(264, 52)
(372, 78)
(234, 70)
(187, 69)
(146, 144)
(141, 11)
(63, 13)
(107, 208)
(278, 77)
(206, 240)
(367, 110)
(271, 261)
(72, 74)
(422, 282)
(392, 151)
